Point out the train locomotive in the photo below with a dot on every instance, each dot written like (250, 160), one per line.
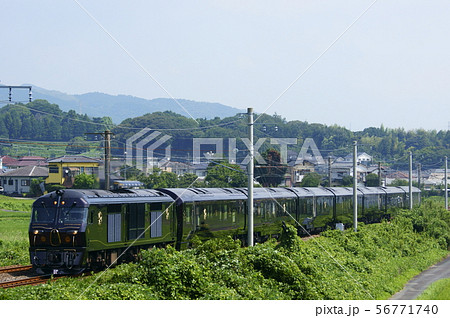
(74, 230)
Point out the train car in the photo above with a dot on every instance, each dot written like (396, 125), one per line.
(207, 213)
(71, 230)
(371, 206)
(415, 194)
(272, 207)
(317, 206)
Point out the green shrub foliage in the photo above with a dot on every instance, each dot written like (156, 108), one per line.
(373, 263)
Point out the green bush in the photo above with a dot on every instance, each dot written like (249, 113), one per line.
(373, 263)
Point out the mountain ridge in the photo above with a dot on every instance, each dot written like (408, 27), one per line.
(120, 107)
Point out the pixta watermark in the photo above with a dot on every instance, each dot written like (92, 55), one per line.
(147, 149)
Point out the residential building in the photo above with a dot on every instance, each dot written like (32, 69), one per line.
(18, 181)
(297, 170)
(341, 169)
(361, 158)
(179, 168)
(63, 170)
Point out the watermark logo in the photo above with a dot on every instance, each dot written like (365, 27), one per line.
(141, 150)
(146, 144)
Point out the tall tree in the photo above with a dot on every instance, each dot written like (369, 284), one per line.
(272, 173)
(221, 174)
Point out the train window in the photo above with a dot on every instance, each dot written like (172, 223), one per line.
(156, 206)
(43, 215)
(136, 220)
(72, 214)
(114, 208)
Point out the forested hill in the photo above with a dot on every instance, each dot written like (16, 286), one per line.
(42, 121)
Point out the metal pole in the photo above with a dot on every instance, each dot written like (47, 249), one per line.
(355, 187)
(445, 184)
(419, 174)
(410, 181)
(107, 158)
(250, 178)
(329, 171)
(379, 173)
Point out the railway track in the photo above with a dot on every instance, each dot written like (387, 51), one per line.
(20, 275)
(15, 268)
(26, 281)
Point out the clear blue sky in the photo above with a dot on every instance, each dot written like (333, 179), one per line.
(390, 67)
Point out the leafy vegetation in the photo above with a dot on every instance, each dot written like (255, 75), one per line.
(40, 120)
(221, 174)
(14, 238)
(14, 230)
(374, 262)
(272, 173)
(439, 290)
(311, 180)
(84, 181)
(14, 204)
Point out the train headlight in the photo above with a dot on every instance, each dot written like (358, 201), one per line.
(75, 232)
(36, 232)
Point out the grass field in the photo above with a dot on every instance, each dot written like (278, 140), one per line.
(15, 204)
(14, 230)
(439, 290)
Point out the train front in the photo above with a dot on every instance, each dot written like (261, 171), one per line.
(57, 232)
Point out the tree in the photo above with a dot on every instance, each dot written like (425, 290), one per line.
(221, 174)
(162, 179)
(187, 180)
(399, 183)
(347, 180)
(35, 188)
(372, 180)
(272, 173)
(77, 145)
(84, 181)
(131, 173)
(311, 180)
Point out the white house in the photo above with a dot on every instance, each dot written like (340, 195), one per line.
(18, 181)
(362, 158)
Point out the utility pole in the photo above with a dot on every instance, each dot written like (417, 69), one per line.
(329, 171)
(250, 178)
(379, 173)
(445, 183)
(419, 174)
(107, 137)
(410, 181)
(355, 187)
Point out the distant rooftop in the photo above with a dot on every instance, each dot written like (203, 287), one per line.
(72, 159)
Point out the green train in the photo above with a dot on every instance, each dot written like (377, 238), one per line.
(74, 230)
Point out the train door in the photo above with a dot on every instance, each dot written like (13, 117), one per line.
(114, 219)
(156, 220)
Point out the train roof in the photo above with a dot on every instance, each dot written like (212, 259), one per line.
(313, 192)
(397, 190)
(342, 191)
(406, 189)
(111, 197)
(371, 190)
(270, 193)
(204, 194)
